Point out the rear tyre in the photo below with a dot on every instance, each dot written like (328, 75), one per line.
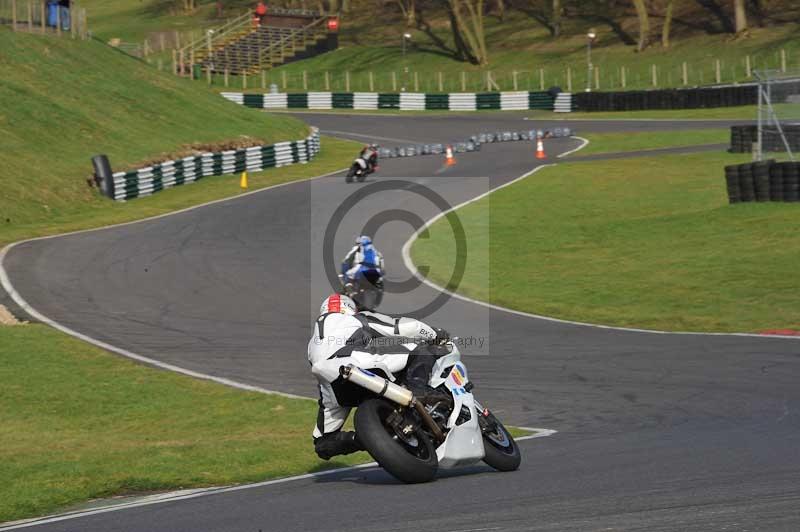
(501, 451)
(411, 459)
(362, 176)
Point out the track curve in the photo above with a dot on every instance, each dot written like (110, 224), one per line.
(655, 432)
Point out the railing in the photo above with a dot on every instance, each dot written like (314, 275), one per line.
(207, 42)
(304, 33)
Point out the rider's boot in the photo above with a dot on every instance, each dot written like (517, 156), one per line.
(337, 443)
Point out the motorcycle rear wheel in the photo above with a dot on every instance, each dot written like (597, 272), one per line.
(411, 459)
(361, 177)
(500, 450)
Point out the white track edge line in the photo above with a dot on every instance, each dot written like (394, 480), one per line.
(409, 264)
(203, 492)
(584, 142)
(5, 281)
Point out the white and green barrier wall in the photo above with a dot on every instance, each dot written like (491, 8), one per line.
(406, 101)
(151, 179)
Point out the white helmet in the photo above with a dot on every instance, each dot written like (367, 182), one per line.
(338, 303)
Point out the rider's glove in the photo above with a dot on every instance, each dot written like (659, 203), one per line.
(442, 336)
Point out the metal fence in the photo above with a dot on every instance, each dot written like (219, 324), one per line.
(569, 78)
(45, 17)
(778, 112)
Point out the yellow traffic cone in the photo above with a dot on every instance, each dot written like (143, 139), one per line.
(243, 180)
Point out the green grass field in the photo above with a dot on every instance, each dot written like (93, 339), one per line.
(622, 142)
(63, 109)
(78, 424)
(519, 45)
(645, 242)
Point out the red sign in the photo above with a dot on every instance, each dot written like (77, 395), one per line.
(333, 24)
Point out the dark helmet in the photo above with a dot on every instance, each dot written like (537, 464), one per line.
(366, 289)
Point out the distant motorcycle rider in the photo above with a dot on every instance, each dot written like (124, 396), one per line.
(345, 335)
(362, 260)
(370, 155)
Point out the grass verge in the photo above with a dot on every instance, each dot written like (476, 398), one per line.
(622, 142)
(746, 113)
(78, 424)
(646, 242)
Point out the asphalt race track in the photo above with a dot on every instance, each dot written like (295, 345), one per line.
(655, 431)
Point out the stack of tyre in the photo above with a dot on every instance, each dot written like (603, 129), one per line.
(743, 137)
(665, 99)
(763, 181)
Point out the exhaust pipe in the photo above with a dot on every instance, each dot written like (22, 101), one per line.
(392, 392)
(379, 385)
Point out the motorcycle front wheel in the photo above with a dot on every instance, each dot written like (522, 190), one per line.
(410, 458)
(349, 177)
(500, 450)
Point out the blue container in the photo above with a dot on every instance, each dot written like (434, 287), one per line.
(52, 14)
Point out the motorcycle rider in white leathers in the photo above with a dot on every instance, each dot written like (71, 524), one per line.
(344, 334)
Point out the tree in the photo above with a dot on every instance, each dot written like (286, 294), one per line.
(740, 16)
(466, 23)
(409, 10)
(665, 29)
(644, 24)
(556, 18)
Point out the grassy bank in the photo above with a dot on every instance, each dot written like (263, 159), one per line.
(646, 242)
(78, 424)
(518, 45)
(62, 109)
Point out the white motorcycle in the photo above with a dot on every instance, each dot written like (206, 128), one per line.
(359, 170)
(412, 440)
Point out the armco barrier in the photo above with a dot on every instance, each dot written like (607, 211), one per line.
(405, 101)
(146, 181)
(763, 181)
(743, 137)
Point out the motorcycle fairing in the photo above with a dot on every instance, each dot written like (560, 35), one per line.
(464, 443)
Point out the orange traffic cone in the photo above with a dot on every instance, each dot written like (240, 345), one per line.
(540, 149)
(449, 159)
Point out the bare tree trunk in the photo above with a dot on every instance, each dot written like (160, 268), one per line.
(556, 17)
(644, 24)
(411, 16)
(740, 15)
(469, 28)
(667, 25)
(501, 9)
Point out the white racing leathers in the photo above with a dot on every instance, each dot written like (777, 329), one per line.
(368, 340)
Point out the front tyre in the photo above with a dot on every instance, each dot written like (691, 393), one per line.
(349, 177)
(501, 451)
(410, 458)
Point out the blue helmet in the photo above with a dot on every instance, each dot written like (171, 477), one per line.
(364, 240)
